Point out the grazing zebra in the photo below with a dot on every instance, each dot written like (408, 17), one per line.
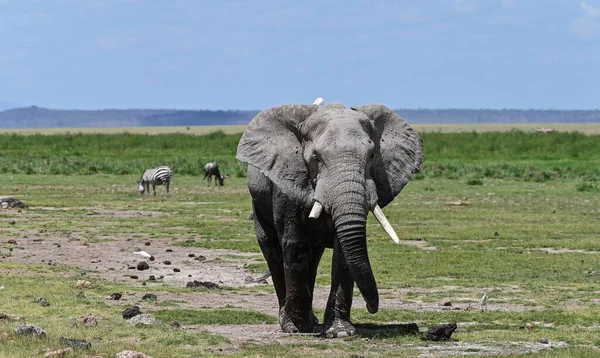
(211, 169)
(155, 176)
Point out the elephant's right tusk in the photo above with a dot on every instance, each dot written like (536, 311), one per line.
(319, 101)
(316, 210)
(385, 224)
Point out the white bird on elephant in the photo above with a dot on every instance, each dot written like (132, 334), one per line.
(319, 101)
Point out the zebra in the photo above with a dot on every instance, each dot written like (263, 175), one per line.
(211, 169)
(155, 176)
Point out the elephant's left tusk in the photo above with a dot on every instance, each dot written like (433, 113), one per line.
(385, 224)
(316, 210)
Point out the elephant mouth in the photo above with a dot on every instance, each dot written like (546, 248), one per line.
(317, 209)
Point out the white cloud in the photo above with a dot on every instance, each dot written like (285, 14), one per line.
(589, 9)
(587, 24)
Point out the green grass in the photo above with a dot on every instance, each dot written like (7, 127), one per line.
(216, 316)
(517, 155)
(556, 291)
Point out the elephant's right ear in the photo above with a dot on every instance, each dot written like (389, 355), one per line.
(272, 143)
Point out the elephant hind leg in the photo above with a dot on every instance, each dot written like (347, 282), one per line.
(266, 235)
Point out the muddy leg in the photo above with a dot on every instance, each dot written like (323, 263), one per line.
(337, 314)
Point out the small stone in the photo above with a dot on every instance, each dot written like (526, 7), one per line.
(447, 303)
(200, 258)
(59, 353)
(115, 296)
(131, 354)
(440, 333)
(149, 296)
(176, 270)
(84, 284)
(80, 294)
(130, 312)
(30, 330)
(169, 250)
(152, 278)
(3, 316)
(191, 255)
(167, 262)
(147, 243)
(12, 222)
(544, 341)
(151, 258)
(90, 320)
(12, 242)
(175, 324)
(143, 266)
(76, 343)
(496, 233)
(134, 277)
(145, 318)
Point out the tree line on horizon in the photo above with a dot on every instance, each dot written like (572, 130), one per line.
(37, 117)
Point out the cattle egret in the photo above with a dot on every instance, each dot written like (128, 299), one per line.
(319, 101)
(484, 299)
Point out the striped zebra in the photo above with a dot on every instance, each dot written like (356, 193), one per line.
(155, 176)
(211, 169)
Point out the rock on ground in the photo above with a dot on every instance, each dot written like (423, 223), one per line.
(59, 353)
(131, 354)
(30, 330)
(6, 202)
(441, 333)
(144, 318)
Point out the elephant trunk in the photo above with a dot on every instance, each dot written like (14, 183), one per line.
(349, 213)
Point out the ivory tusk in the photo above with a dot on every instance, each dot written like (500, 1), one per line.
(316, 210)
(319, 101)
(385, 223)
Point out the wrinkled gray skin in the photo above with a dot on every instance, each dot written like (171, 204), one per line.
(348, 160)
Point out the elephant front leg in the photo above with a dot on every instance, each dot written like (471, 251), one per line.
(337, 314)
(297, 315)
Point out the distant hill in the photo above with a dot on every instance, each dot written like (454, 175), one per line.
(37, 117)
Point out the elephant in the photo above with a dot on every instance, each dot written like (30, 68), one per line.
(314, 173)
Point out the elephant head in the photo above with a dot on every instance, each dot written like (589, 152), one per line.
(345, 162)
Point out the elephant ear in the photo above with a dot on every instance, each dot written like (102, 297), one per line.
(398, 151)
(273, 144)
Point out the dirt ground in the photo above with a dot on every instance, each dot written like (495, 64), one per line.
(114, 259)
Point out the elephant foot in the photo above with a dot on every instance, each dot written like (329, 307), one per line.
(299, 325)
(339, 329)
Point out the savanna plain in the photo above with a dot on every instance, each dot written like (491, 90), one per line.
(512, 211)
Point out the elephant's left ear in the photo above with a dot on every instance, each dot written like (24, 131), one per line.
(398, 151)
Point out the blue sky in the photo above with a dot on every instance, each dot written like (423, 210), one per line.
(234, 54)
